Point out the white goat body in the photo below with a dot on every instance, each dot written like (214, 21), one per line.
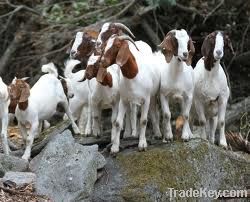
(79, 104)
(4, 104)
(138, 90)
(211, 89)
(177, 80)
(44, 97)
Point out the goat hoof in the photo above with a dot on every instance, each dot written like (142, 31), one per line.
(141, 149)
(114, 150)
(142, 146)
(223, 145)
(167, 140)
(157, 136)
(185, 140)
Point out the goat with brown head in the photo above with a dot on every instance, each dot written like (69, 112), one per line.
(213, 48)
(19, 92)
(81, 47)
(116, 52)
(108, 29)
(177, 43)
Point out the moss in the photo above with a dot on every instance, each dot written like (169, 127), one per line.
(160, 166)
(180, 166)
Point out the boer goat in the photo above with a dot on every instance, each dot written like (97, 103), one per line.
(177, 79)
(4, 104)
(211, 89)
(81, 47)
(108, 29)
(139, 82)
(40, 103)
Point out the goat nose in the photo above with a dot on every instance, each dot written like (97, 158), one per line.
(218, 52)
(185, 54)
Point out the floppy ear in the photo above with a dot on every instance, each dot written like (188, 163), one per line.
(191, 51)
(167, 47)
(102, 72)
(25, 93)
(108, 81)
(205, 47)
(123, 55)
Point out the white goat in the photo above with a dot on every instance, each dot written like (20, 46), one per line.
(177, 79)
(40, 104)
(105, 95)
(211, 89)
(139, 81)
(4, 104)
(79, 104)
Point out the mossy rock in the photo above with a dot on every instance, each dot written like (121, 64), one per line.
(147, 176)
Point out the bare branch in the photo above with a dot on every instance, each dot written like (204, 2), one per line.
(213, 11)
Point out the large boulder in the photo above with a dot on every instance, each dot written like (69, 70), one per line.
(147, 176)
(12, 163)
(66, 171)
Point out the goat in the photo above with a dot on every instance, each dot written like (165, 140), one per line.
(139, 81)
(108, 29)
(211, 89)
(103, 95)
(40, 103)
(81, 47)
(79, 104)
(4, 104)
(177, 79)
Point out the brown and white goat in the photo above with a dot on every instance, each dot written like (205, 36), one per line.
(211, 89)
(139, 82)
(39, 103)
(177, 79)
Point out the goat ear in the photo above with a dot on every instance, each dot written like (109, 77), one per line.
(25, 93)
(102, 72)
(167, 47)
(108, 81)
(205, 47)
(123, 55)
(191, 51)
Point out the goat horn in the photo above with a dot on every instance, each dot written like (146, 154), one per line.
(126, 37)
(83, 79)
(124, 28)
(61, 77)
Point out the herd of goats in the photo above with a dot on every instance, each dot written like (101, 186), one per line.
(127, 74)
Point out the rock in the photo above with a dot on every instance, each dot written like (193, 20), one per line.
(147, 176)
(20, 178)
(66, 170)
(12, 163)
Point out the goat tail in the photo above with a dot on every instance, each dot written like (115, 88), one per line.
(69, 66)
(50, 68)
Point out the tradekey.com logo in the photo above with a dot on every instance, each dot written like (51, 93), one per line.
(205, 193)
